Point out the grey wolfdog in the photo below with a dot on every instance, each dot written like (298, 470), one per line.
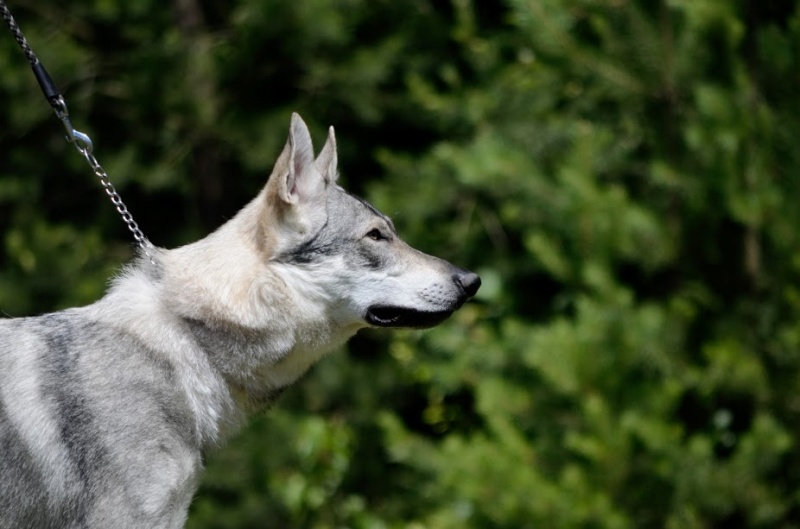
(107, 410)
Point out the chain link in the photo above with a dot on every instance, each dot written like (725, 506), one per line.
(116, 200)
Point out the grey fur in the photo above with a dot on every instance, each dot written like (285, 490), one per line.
(107, 410)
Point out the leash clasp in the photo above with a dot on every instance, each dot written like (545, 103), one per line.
(81, 141)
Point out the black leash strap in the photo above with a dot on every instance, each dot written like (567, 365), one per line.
(49, 88)
(81, 141)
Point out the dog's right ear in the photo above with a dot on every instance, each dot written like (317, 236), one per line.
(327, 160)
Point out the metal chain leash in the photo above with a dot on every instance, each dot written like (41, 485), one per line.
(82, 142)
(116, 200)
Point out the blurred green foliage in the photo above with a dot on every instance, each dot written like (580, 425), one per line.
(624, 175)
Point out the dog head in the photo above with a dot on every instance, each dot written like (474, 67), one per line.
(339, 248)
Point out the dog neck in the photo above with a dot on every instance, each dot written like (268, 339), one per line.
(261, 324)
(249, 327)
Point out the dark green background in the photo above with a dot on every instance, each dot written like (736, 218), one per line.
(625, 176)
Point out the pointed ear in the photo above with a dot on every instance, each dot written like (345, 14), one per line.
(327, 160)
(297, 177)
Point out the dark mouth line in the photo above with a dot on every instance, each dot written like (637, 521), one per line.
(392, 316)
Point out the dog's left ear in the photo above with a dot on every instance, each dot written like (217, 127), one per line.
(300, 183)
(327, 160)
(296, 191)
(296, 180)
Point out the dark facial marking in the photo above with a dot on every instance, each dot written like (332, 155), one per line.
(368, 257)
(308, 251)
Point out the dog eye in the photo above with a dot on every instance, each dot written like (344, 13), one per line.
(376, 235)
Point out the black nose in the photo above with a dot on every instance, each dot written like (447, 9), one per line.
(469, 282)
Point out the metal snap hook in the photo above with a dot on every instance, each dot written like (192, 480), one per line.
(82, 141)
